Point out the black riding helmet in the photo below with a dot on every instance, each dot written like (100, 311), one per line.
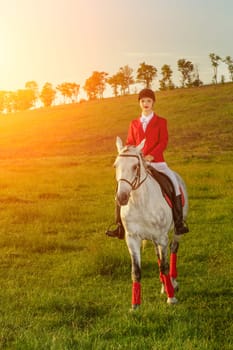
(146, 93)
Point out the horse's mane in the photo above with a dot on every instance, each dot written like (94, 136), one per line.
(129, 148)
(133, 149)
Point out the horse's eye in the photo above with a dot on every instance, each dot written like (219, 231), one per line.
(135, 167)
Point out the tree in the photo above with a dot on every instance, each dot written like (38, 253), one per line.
(75, 91)
(2, 100)
(10, 101)
(33, 87)
(215, 59)
(23, 99)
(95, 85)
(126, 78)
(47, 94)
(229, 62)
(196, 79)
(186, 68)
(69, 91)
(114, 81)
(146, 74)
(19, 100)
(122, 79)
(166, 82)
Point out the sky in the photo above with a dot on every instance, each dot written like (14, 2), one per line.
(60, 41)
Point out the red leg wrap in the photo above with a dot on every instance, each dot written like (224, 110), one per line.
(161, 277)
(182, 196)
(136, 293)
(173, 260)
(168, 286)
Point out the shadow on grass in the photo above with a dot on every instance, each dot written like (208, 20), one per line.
(108, 264)
(15, 200)
(79, 315)
(49, 196)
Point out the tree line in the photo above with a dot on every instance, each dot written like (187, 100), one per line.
(120, 82)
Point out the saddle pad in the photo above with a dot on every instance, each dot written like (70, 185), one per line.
(166, 185)
(163, 180)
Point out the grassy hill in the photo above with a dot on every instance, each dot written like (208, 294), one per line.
(195, 117)
(64, 285)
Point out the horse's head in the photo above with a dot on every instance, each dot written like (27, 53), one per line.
(130, 172)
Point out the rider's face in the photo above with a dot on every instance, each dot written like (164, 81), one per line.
(146, 105)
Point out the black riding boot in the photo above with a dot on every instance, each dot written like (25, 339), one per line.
(177, 210)
(119, 232)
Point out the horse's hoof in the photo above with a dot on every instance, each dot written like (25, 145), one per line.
(172, 301)
(175, 285)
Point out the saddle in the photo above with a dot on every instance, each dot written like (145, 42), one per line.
(165, 183)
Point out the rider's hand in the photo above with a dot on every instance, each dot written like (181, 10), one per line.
(149, 158)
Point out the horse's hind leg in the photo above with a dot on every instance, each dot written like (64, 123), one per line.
(159, 263)
(134, 247)
(164, 269)
(174, 246)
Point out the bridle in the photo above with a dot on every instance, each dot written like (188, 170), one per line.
(137, 182)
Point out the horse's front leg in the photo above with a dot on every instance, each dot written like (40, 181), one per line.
(174, 246)
(164, 271)
(159, 263)
(134, 247)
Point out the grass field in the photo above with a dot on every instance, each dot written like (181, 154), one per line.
(64, 285)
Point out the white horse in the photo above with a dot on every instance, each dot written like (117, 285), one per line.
(146, 215)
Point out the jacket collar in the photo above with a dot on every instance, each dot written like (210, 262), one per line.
(152, 120)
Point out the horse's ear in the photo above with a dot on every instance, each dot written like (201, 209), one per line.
(119, 144)
(141, 145)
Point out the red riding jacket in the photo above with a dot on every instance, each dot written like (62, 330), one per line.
(156, 136)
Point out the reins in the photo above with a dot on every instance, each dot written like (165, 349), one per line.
(137, 182)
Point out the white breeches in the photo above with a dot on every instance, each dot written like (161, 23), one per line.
(163, 168)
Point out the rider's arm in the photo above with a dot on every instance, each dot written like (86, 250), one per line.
(156, 151)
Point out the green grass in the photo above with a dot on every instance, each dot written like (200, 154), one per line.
(64, 285)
